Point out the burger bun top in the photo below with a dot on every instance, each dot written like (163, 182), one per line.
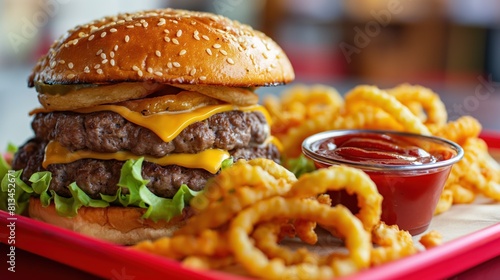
(164, 46)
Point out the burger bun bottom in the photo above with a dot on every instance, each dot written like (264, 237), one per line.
(120, 225)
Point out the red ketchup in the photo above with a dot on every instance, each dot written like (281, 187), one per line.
(408, 176)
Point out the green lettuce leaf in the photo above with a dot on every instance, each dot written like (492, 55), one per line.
(15, 194)
(227, 163)
(11, 148)
(68, 206)
(40, 182)
(300, 165)
(165, 208)
(131, 181)
(4, 166)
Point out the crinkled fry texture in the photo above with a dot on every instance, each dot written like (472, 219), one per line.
(410, 108)
(246, 222)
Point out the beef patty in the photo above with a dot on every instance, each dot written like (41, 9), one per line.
(241, 133)
(108, 132)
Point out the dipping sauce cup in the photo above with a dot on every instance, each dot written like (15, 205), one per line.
(410, 170)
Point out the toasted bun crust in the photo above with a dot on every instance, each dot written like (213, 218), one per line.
(164, 46)
(120, 225)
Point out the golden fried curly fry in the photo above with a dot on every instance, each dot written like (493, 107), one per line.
(205, 262)
(266, 236)
(460, 130)
(256, 262)
(233, 189)
(392, 242)
(426, 98)
(207, 243)
(431, 239)
(373, 96)
(335, 178)
(445, 201)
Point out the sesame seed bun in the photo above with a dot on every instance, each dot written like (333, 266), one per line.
(164, 46)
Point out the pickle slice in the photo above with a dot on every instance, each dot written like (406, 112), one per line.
(61, 89)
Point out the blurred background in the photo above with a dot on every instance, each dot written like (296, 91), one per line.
(452, 46)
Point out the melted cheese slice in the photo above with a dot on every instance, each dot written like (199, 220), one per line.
(168, 125)
(210, 159)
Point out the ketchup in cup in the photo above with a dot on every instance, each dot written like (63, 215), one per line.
(410, 170)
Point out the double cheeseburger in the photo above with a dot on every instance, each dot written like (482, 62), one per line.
(139, 111)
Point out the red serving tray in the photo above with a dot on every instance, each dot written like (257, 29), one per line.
(111, 261)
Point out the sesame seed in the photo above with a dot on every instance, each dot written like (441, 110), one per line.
(135, 68)
(216, 46)
(223, 52)
(112, 62)
(115, 48)
(145, 24)
(203, 78)
(98, 52)
(139, 73)
(175, 41)
(71, 76)
(113, 30)
(166, 31)
(158, 73)
(150, 70)
(162, 22)
(176, 64)
(112, 54)
(169, 65)
(179, 33)
(75, 42)
(53, 64)
(240, 48)
(61, 61)
(193, 22)
(196, 35)
(230, 61)
(97, 66)
(91, 37)
(103, 55)
(193, 71)
(182, 52)
(130, 26)
(99, 71)
(86, 69)
(272, 65)
(264, 55)
(138, 24)
(158, 53)
(104, 61)
(70, 65)
(103, 34)
(82, 34)
(174, 21)
(205, 37)
(120, 21)
(209, 51)
(127, 38)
